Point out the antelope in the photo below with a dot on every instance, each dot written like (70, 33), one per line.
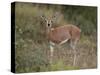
(60, 35)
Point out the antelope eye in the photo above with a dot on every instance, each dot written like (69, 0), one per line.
(51, 21)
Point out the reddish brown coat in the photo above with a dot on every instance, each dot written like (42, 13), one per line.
(62, 33)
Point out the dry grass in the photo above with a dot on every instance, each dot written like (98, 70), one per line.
(32, 47)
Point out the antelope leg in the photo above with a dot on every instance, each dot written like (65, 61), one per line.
(51, 53)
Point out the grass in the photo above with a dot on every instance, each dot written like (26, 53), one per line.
(58, 66)
(32, 47)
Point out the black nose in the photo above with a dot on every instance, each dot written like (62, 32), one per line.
(48, 24)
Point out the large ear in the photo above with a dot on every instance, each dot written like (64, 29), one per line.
(55, 16)
(43, 17)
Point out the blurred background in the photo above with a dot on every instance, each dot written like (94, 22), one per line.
(32, 46)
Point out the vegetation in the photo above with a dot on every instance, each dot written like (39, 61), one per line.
(32, 47)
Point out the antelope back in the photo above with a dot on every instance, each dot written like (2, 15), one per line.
(62, 33)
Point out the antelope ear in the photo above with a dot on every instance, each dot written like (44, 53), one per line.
(54, 17)
(43, 17)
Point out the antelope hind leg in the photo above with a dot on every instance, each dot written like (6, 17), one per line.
(73, 46)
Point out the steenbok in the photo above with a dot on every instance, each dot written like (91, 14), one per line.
(60, 35)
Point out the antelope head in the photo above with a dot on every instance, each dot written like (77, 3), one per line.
(49, 22)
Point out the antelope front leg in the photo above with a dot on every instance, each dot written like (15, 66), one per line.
(51, 53)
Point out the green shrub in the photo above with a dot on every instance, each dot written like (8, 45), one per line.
(31, 45)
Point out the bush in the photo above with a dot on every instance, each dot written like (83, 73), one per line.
(32, 47)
